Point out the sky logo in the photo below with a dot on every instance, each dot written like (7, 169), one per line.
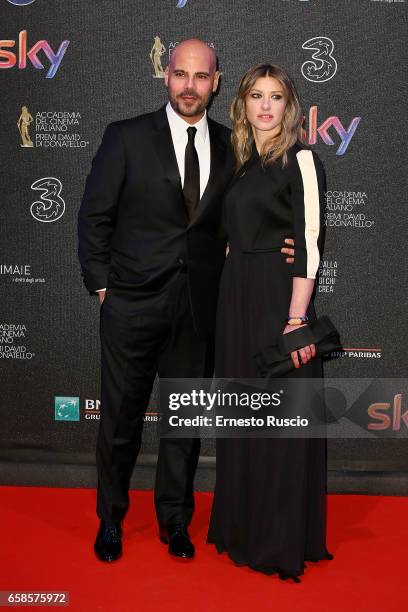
(345, 133)
(8, 59)
(21, 2)
(66, 408)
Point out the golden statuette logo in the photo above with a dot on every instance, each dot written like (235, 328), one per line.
(157, 51)
(23, 122)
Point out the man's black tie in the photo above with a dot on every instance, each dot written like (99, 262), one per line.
(191, 188)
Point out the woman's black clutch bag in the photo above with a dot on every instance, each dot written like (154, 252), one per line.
(275, 360)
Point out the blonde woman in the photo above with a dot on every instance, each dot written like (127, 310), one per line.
(269, 503)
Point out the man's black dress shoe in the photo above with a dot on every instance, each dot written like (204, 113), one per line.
(176, 536)
(108, 543)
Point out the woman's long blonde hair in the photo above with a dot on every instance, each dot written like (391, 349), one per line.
(291, 128)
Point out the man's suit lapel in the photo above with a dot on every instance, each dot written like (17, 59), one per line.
(217, 167)
(165, 150)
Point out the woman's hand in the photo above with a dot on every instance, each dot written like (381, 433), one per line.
(289, 250)
(306, 353)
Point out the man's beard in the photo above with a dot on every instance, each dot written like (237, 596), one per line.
(189, 109)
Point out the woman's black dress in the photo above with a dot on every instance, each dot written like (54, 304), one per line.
(269, 509)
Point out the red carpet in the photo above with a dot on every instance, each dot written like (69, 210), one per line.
(47, 537)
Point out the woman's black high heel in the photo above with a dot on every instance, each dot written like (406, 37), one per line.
(285, 575)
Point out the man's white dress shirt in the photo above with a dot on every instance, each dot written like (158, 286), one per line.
(178, 128)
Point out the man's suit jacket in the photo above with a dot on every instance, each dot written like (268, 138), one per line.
(134, 230)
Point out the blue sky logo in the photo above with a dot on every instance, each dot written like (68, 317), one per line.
(21, 2)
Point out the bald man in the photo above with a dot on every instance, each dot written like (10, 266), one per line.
(151, 245)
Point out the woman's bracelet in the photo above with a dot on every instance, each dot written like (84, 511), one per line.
(297, 320)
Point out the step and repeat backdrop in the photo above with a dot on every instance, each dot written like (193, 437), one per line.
(69, 68)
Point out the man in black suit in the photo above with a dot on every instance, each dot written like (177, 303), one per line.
(151, 244)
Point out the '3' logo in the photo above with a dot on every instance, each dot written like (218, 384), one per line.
(50, 207)
(322, 67)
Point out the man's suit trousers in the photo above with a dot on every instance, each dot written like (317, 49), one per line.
(139, 339)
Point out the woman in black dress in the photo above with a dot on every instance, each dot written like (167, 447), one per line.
(269, 509)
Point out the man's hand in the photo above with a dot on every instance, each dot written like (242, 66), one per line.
(101, 295)
(289, 251)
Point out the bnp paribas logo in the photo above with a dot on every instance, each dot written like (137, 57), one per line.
(66, 408)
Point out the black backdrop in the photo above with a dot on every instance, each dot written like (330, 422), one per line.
(348, 60)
